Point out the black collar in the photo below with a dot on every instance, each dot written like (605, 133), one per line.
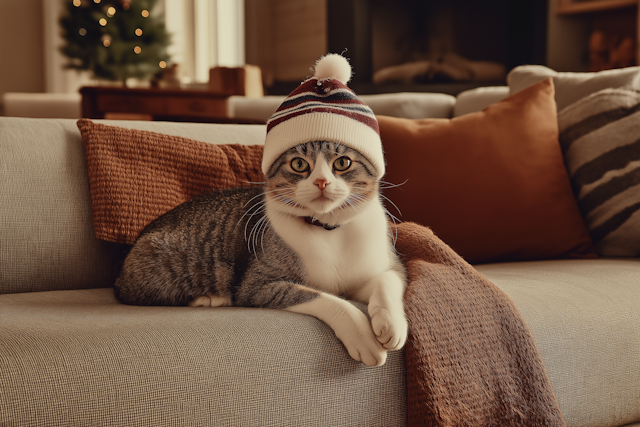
(313, 221)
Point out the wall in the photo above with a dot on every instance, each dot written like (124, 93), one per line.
(566, 40)
(21, 47)
(285, 37)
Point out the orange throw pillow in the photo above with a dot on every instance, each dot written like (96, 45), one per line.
(491, 184)
(135, 176)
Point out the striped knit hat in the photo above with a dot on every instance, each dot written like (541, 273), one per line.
(323, 108)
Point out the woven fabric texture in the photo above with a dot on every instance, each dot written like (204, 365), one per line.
(46, 236)
(470, 358)
(571, 87)
(136, 176)
(585, 318)
(600, 138)
(79, 358)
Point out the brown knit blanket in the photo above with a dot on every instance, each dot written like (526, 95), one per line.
(471, 360)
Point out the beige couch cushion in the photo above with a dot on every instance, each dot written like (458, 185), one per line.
(477, 99)
(88, 360)
(403, 104)
(585, 319)
(47, 240)
(571, 87)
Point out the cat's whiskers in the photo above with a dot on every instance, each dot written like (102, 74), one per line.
(266, 225)
(354, 200)
(289, 202)
(385, 184)
(393, 218)
(264, 193)
(260, 210)
(394, 231)
(253, 236)
(384, 197)
(257, 207)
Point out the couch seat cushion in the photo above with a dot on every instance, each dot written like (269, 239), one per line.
(92, 361)
(585, 319)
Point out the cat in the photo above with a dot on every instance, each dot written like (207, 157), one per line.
(315, 232)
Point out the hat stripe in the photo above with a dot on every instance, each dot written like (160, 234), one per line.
(338, 98)
(369, 121)
(312, 105)
(346, 94)
(307, 99)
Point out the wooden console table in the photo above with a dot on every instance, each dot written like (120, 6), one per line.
(155, 104)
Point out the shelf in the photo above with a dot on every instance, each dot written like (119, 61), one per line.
(569, 7)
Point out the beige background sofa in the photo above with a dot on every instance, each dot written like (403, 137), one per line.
(70, 354)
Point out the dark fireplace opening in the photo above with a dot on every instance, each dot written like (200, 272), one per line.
(435, 45)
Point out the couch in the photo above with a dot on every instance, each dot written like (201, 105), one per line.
(70, 354)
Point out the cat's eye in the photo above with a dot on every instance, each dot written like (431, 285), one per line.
(342, 164)
(299, 165)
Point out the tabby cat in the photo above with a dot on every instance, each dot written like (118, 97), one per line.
(315, 232)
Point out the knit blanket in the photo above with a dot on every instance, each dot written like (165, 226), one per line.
(470, 358)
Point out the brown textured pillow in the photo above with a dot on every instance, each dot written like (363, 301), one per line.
(491, 184)
(136, 176)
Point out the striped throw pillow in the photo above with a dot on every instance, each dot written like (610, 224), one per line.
(600, 138)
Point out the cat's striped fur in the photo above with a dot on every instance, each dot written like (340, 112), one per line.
(262, 247)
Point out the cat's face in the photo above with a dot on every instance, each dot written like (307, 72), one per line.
(324, 180)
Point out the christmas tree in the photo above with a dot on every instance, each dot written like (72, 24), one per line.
(115, 39)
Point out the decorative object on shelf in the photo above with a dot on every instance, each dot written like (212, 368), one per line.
(170, 77)
(115, 39)
(608, 51)
(614, 31)
(243, 81)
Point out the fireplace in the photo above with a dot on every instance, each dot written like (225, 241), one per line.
(380, 33)
(285, 37)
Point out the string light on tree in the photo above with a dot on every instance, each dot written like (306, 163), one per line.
(115, 39)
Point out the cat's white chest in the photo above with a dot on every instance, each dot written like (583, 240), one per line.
(341, 260)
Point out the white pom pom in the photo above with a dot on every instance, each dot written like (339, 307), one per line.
(333, 66)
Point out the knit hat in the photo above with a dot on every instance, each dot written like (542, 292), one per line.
(323, 108)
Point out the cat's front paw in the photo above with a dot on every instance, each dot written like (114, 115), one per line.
(369, 353)
(391, 331)
(360, 343)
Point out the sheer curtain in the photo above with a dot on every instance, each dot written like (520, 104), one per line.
(205, 33)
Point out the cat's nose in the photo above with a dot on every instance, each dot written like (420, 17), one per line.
(321, 183)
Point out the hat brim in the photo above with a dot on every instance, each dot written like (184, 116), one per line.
(323, 127)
